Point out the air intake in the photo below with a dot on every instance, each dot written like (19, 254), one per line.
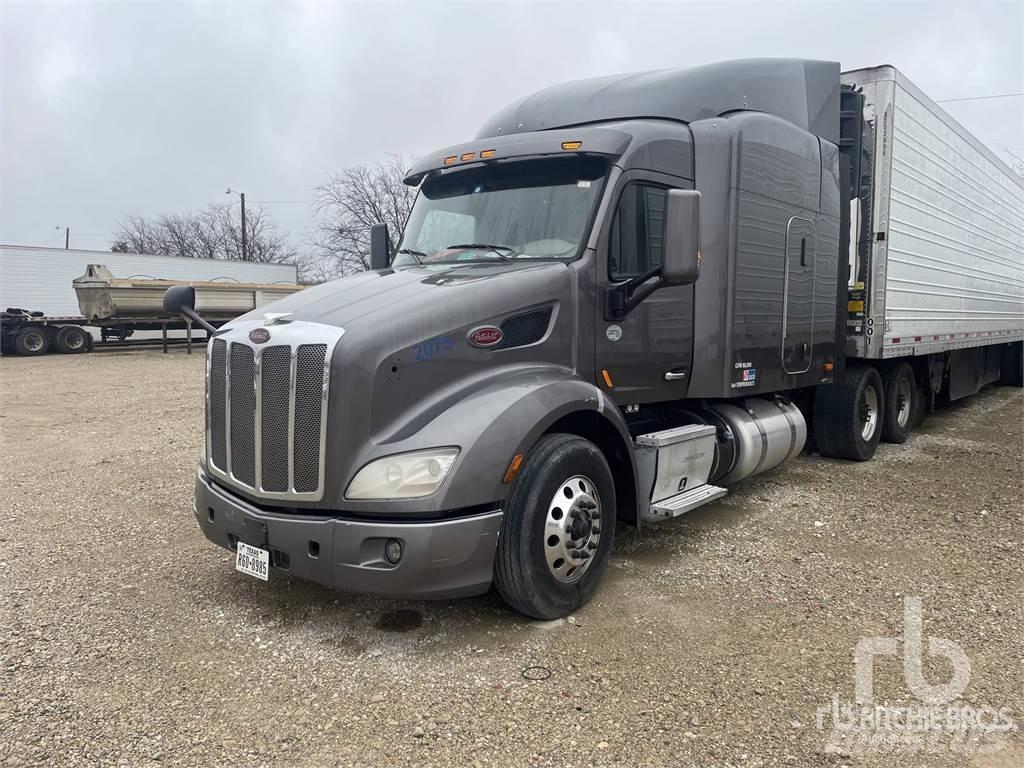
(525, 328)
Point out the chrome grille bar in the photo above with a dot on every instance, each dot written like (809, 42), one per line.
(266, 422)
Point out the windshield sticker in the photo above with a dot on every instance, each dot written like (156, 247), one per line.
(583, 184)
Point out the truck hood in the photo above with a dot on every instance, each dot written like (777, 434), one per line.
(371, 297)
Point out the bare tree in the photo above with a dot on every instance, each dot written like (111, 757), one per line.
(347, 204)
(213, 233)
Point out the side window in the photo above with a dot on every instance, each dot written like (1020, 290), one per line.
(638, 231)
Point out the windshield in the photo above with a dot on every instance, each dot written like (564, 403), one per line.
(526, 209)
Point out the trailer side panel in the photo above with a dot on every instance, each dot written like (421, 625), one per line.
(947, 261)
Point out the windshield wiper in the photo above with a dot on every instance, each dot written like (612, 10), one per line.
(495, 249)
(418, 256)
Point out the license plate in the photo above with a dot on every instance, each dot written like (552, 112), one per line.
(253, 561)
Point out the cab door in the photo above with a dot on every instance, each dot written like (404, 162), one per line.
(798, 296)
(647, 355)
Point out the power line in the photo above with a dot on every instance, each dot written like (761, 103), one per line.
(979, 98)
(281, 202)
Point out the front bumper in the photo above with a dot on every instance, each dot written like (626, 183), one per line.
(440, 559)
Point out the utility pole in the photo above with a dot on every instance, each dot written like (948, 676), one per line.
(245, 236)
(245, 255)
(67, 237)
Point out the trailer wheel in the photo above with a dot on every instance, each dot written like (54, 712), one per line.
(848, 415)
(901, 393)
(71, 340)
(557, 530)
(31, 341)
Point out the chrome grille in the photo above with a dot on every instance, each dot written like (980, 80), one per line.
(275, 373)
(308, 399)
(215, 408)
(267, 408)
(241, 384)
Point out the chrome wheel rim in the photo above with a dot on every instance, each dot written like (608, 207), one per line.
(572, 529)
(869, 413)
(903, 401)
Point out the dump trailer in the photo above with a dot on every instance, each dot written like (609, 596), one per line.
(624, 296)
(118, 307)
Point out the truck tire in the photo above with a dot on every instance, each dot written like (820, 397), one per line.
(900, 393)
(848, 415)
(558, 527)
(71, 340)
(31, 341)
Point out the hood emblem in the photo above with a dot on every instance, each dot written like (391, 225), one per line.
(485, 336)
(259, 335)
(270, 318)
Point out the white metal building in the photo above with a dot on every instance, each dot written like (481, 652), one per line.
(39, 279)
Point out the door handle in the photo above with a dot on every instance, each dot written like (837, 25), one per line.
(674, 375)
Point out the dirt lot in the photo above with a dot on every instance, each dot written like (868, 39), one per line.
(130, 640)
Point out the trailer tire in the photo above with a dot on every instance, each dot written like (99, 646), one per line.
(71, 340)
(843, 411)
(900, 393)
(32, 340)
(536, 528)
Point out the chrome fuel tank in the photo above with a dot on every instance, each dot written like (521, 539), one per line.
(764, 433)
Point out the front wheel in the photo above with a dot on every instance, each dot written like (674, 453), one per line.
(558, 526)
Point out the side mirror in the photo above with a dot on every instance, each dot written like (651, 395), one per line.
(179, 298)
(380, 247)
(681, 255)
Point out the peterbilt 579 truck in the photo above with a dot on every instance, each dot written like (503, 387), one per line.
(625, 295)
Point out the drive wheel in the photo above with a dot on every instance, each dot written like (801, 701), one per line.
(901, 393)
(557, 530)
(71, 340)
(848, 415)
(31, 341)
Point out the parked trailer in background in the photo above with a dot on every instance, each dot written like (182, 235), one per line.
(624, 296)
(119, 294)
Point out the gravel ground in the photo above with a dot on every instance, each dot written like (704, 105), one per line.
(713, 641)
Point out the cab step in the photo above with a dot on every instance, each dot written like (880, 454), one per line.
(683, 502)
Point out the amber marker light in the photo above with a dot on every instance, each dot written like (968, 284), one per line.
(571, 145)
(513, 469)
(467, 156)
(450, 159)
(486, 153)
(607, 378)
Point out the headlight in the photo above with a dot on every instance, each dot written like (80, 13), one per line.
(402, 476)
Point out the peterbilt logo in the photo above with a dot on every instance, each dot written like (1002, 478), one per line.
(487, 336)
(259, 335)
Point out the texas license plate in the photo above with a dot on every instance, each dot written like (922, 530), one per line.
(253, 561)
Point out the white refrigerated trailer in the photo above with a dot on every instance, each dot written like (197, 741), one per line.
(936, 252)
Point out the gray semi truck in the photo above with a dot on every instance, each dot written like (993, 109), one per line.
(625, 295)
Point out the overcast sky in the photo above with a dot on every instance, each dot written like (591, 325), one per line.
(115, 108)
